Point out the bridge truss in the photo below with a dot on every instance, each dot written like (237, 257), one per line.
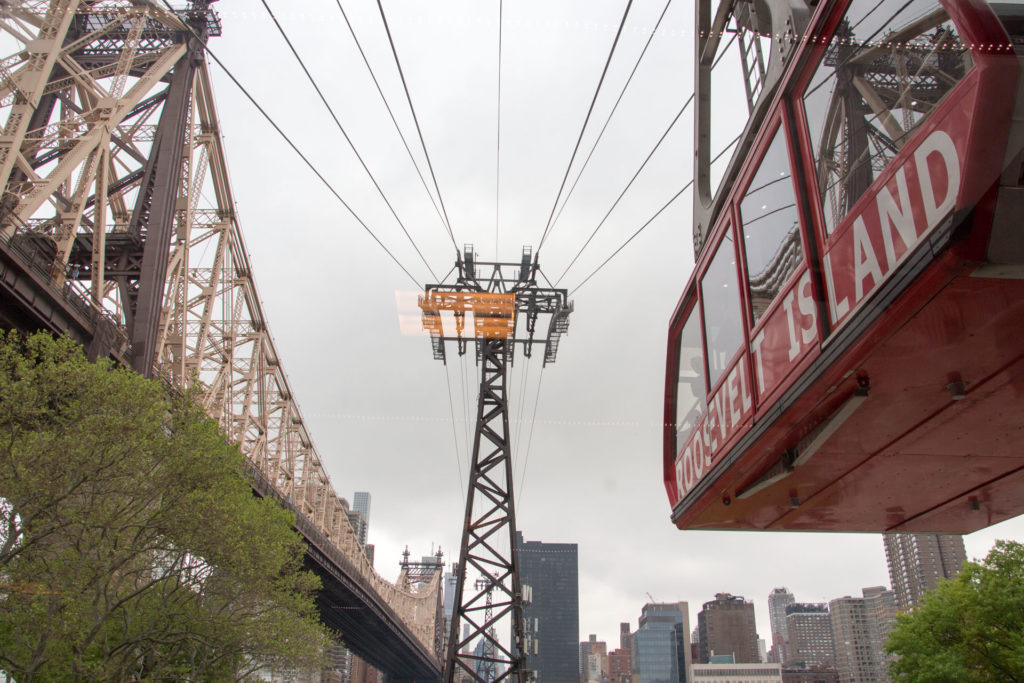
(118, 226)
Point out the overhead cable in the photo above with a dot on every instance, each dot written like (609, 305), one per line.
(341, 128)
(455, 435)
(415, 119)
(524, 376)
(626, 189)
(611, 113)
(394, 121)
(650, 220)
(670, 201)
(529, 441)
(295, 148)
(583, 129)
(497, 163)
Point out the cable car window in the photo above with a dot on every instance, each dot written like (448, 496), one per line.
(771, 227)
(691, 394)
(723, 326)
(887, 67)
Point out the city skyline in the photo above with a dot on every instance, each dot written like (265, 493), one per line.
(762, 604)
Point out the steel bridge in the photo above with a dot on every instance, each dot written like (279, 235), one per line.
(118, 228)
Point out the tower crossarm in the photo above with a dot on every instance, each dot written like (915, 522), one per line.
(495, 300)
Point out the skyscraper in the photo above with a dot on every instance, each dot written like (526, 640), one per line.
(778, 599)
(809, 641)
(655, 646)
(450, 584)
(620, 660)
(726, 626)
(593, 660)
(361, 504)
(551, 570)
(860, 627)
(918, 561)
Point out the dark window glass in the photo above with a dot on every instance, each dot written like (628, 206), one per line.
(691, 395)
(771, 229)
(888, 66)
(723, 326)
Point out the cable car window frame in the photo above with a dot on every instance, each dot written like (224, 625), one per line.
(692, 313)
(727, 233)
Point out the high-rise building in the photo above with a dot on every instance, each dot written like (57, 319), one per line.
(620, 666)
(811, 675)
(361, 504)
(778, 599)
(684, 654)
(620, 660)
(918, 561)
(809, 642)
(593, 660)
(655, 644)
(860, 627)
(726, 626)
(449, 586)
(552, 572)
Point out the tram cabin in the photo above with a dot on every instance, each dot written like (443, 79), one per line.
(848, 354)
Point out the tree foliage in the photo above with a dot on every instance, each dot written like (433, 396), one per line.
(131, 546)
(971, 628)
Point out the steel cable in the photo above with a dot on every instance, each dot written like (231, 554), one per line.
(344, 133)
(650, 220)
(583, 129)
(305, 159)
(611, 114)
(497, 163)
(626, 189)
(419, 131)
(394, 121)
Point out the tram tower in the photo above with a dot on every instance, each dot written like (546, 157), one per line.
(493, 307)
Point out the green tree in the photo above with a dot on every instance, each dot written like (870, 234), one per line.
(131, 546)
(970, 628)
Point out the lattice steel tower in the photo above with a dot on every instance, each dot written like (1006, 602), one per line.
(494, 306)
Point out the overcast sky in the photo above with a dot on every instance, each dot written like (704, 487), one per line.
(376, 402)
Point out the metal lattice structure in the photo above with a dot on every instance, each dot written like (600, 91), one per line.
(495, 307)
(116, 199)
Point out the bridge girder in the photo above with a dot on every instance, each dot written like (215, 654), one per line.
(116, 205)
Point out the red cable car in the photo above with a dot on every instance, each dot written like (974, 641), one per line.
(848, 354)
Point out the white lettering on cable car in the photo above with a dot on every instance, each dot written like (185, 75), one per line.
(867, 248)
(905, 209)
(728, 408)
(787, 332)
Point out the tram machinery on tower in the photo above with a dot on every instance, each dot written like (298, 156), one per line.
(492, 307)
(849, 351)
